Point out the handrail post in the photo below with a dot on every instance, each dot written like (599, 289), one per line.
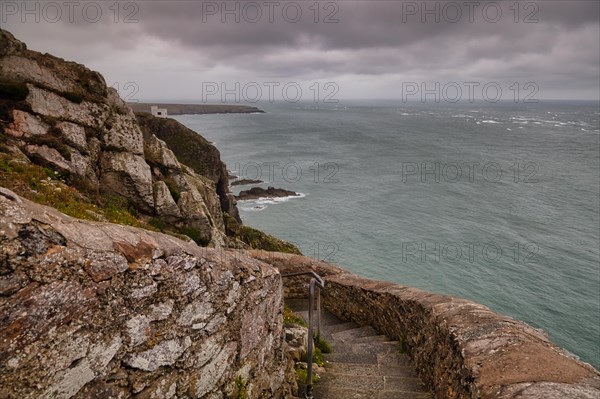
(313, 296)
(318, 295)
(311, 306)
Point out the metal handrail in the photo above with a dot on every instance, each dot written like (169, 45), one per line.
(313, 294)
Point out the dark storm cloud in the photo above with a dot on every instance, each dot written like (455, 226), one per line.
(554, 42)
(361, 24)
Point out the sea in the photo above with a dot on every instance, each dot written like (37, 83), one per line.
(498, 203)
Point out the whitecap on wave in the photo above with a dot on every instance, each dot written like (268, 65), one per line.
(462, 116)
(262, 203)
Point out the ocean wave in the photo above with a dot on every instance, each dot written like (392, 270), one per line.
(538, 121)
(462, 116)
(260, 204)
(491, 121)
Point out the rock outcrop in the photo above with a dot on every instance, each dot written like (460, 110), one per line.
(270, 192)
(195, 152)
(62, 115)
(97, 310)
(244, 182)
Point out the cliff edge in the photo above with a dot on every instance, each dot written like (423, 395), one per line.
(61, 116)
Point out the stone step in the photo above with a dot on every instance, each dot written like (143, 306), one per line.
(328, 331)
(345, 357)
(373, 338)
(352, 334)
(381, 348)
(369, 369)
(363, 364)
(327, 319)
(394, 360)
(322, 392)
(297, 305)
(341, 379)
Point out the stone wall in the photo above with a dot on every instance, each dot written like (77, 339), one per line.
(96, 310)
(461, 349)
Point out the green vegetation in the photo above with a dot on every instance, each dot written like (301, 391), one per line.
(172, 186)
(403, 349)
(73, 196)
(119, 210)
(240, 385)
(290, 317)
(52, 139)
(158, 224)
(195, 235)
(322, 345)
(317, 357)
(301, 376)
(15, 91)
(256, 239)
(46, 187)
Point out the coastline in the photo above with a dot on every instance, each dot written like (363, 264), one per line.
(196, 109)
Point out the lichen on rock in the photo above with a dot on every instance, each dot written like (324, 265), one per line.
(93, 309)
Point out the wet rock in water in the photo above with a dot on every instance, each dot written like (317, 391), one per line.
(270, 192)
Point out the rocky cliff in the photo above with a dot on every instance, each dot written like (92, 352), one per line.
(98, 310)
(194, 151)
(61, 115)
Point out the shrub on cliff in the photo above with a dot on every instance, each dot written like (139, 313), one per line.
(256, 239)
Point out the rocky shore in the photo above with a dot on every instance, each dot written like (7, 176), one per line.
(259, 192)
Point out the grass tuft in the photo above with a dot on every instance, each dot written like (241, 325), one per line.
(290, 317)
(240, 385)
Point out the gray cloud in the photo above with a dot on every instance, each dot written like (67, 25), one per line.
(373, 41)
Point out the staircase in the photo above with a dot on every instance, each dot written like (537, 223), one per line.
(363, 364)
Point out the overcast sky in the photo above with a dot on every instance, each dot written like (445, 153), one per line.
(196, 50)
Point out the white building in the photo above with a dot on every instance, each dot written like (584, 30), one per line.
(158, 112)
